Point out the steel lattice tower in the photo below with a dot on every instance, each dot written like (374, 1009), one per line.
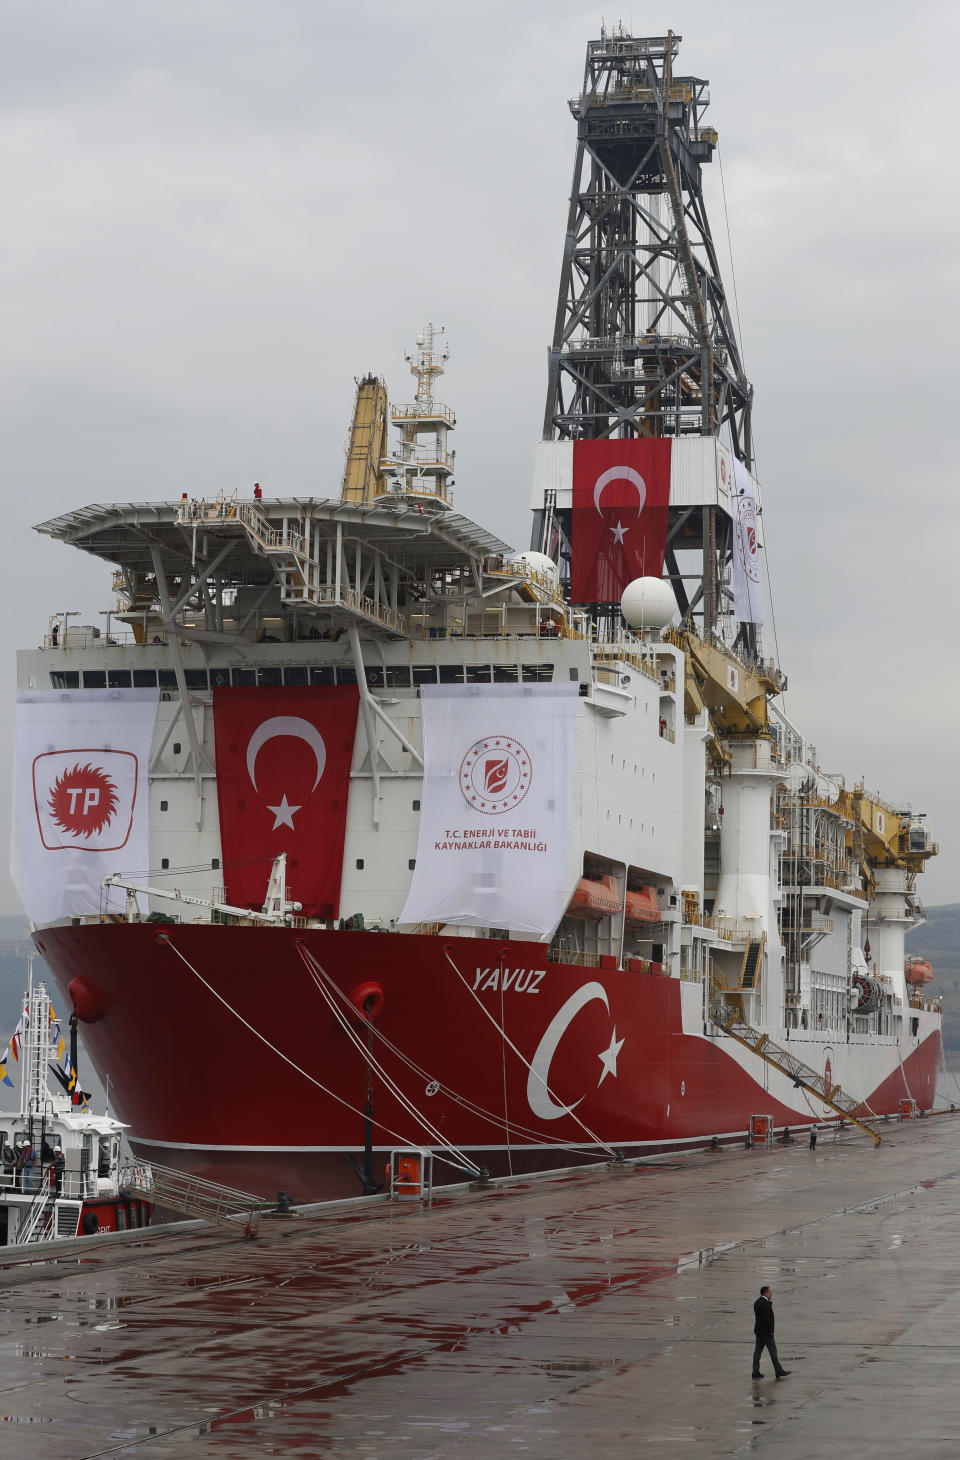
(643, 343)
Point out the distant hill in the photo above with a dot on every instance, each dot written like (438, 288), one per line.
(939, 940)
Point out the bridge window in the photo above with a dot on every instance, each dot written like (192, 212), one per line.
(144, 678)
(196, 678)
(505, 674)
(398, 676)
(451, 674)
(243, 676)
(295, 675)
(321, 674)
(537, 673)
(478, 674)
(270, 676)
(65, 678)
(94, 679)
(424, 674)
(167, 678)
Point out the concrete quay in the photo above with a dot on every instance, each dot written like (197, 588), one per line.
(601, 1313)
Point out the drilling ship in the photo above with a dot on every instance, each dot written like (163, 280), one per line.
(352, 829)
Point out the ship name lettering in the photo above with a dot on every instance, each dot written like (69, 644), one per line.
(521, 980)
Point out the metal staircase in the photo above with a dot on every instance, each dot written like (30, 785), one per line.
(38, 1218)
(752, 962)
(194, 1197)
(803, 1077)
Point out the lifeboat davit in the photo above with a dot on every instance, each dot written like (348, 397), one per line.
(917, 971)
(595, 898)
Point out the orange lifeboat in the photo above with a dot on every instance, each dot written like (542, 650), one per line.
(642, 906)
(917, 971)
(595, 898)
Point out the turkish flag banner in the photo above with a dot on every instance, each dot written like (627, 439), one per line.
(621, 499)
(283, 775)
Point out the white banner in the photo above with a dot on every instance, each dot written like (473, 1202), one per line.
(82, 797)
(496, 806)
(747, 599)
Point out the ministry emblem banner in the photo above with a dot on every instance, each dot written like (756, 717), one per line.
(497, 785)
(747, 598)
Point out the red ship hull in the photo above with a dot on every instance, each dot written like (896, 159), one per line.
(227, 1059)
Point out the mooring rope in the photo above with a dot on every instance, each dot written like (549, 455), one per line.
(389, 1082)
(533, 1134)
(595, 1139)
(165, 938)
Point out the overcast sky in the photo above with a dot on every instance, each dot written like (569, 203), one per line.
(218, 214)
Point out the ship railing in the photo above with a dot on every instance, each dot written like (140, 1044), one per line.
(33, 1227)
(621, 653)
(193, 1196)
(498, 566)
(415, 483)
(75, 638)
(703, 920)
(434, 411)
(575, 956)
(416, 458)
(349, 598)
(738, 930)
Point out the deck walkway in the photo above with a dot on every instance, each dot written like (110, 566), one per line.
(603, 1313)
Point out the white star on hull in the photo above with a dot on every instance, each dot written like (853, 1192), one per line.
(608, 1057)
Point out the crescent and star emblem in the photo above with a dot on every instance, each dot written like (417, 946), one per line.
(620, 474)
(539, 1099)
(300, 729)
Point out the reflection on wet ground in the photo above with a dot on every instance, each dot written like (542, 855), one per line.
(606, 1312)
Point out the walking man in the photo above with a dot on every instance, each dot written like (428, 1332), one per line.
(763, 1328)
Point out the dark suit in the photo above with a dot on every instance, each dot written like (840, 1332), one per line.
(763, 1328)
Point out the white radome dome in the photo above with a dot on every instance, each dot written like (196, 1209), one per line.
(648, 603)
(539, 562)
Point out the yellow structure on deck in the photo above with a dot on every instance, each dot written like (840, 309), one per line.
(733, 692)
(368, 443)
(881, 836)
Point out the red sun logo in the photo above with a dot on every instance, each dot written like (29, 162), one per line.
(83, 800)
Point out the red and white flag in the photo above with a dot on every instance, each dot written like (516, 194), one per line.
(283, 776)
(82, 766)
(621, 500)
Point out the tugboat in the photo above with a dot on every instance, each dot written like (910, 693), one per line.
(62, 1164)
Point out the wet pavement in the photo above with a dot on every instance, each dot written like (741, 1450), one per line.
(605, 1313)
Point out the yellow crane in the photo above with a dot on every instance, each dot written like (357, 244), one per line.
(367, 447)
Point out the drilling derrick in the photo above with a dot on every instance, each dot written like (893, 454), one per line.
(643, 343)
